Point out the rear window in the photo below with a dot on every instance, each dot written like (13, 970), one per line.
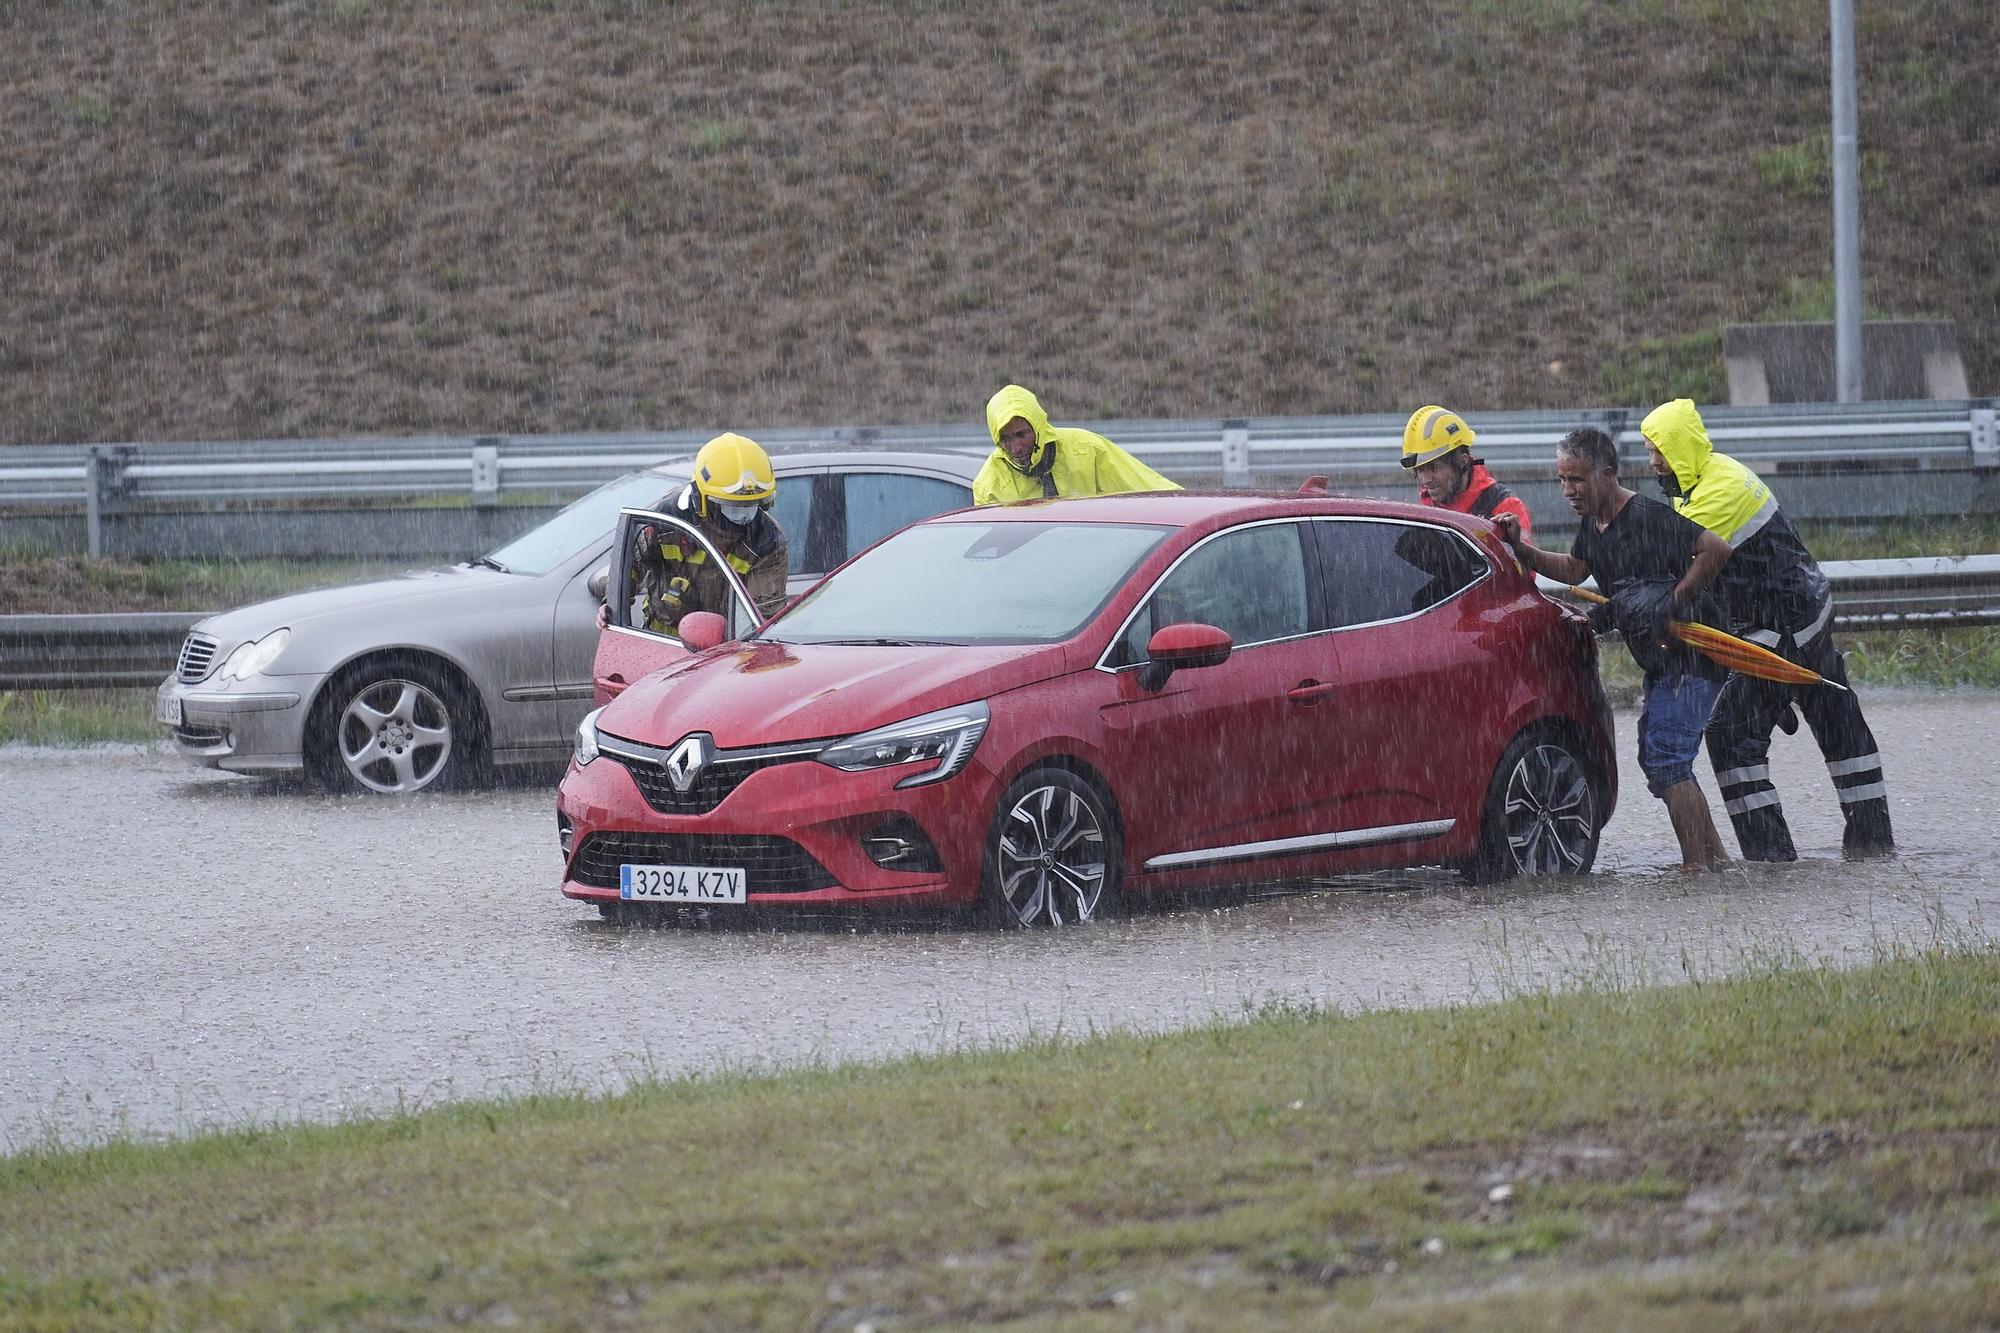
(1384, 571)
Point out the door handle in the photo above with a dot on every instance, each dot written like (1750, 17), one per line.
(1310, 691)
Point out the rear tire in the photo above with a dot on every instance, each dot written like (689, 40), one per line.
(1054, 853)
(1540, 816)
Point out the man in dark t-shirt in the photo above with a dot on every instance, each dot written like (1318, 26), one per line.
(1651, 563)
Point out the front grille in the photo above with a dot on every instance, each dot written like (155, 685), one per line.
(770, 865)
(197, 656)
(200, 738)
(722, 775)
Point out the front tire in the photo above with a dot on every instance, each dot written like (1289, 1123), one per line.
(1054, 852)
(393, 728)
(1540, 816)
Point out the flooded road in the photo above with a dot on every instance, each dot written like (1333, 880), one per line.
(185, 949)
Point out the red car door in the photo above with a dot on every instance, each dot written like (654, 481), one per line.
(1422, 688)
(1221, 758)
(625, 651)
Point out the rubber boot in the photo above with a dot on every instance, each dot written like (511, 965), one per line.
(1868, 832)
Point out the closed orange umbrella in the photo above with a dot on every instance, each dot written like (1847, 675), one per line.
(1737, 654)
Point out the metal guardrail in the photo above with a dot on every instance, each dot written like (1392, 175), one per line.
(53, 652)
(1919, 458)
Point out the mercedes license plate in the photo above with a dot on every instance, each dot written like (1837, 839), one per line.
(681, 884)
(167, 708)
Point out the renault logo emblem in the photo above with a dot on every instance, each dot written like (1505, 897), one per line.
(685, 763)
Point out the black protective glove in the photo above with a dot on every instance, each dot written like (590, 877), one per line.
(1602, 619)
(1642, 610)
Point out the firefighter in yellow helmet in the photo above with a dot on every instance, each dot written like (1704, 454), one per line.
(1437, 446)
(729, 499)
(1033, 460)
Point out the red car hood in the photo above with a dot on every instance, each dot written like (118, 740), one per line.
(768, 693)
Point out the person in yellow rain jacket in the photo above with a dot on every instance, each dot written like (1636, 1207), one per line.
(1033, 460)
(1774, 594)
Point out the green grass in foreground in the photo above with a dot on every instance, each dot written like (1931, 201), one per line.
(77, 717)
(1804, 1147)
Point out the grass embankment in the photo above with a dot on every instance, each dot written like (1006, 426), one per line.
(240, 220)
(76, 585)
(1806, 1147)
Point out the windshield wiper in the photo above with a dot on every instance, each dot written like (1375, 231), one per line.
(487, 561)
(897, 643)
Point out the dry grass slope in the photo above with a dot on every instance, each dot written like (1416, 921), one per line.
(248, 219)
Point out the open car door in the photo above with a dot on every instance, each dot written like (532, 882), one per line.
(626, 650)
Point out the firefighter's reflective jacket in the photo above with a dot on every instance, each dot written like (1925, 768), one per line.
(676, 576)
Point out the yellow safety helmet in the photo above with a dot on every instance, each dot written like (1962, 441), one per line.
(1432, 433)
(733, 469)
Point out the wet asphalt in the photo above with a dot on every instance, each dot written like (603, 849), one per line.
(186, 950)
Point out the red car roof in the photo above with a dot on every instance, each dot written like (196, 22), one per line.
(1185, 508)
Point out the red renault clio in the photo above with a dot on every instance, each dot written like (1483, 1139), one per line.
(1045, 708)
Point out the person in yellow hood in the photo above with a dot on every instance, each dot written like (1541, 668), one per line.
(1033, 460)
(1774, 594)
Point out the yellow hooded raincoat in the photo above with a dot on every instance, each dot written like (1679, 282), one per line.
(1069, 460)
(1771, 585)
(1717, 492)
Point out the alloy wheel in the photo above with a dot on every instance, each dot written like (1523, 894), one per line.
(1550, 812)
(1052, 861)
(394, 736)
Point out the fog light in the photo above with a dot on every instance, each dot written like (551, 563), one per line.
(565, 834)
(899, 844)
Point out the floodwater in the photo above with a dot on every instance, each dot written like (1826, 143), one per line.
(186, 949)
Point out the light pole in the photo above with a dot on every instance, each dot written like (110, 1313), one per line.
(1846, 212)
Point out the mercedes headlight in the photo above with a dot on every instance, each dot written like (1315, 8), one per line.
(942, 741)
(256, 655)
(586, 738)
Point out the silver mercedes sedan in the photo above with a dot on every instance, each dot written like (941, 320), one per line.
(398, 684)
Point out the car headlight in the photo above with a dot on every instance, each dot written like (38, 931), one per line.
(944, 740)
(254, 656)
(586, 738)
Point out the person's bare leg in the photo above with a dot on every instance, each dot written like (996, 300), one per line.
(1701, 845)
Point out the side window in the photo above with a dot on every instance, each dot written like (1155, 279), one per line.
(1250, 583)
(792, 508)
(879, 503)
(1384, 571)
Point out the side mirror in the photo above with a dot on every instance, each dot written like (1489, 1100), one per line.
(1182, 647)
(701, 630)
(599, 581)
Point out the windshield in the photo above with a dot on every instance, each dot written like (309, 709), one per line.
(971, 583)
(541, 549)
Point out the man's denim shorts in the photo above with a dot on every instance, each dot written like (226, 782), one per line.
(1670, 726)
